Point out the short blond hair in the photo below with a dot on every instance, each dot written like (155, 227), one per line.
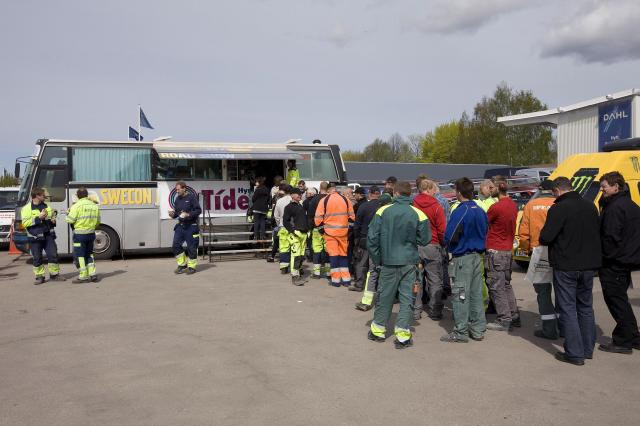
(427, 185)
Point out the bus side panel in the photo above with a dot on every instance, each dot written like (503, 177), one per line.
(141, 227)
(166, 232)
(112, 217)
(63, 230)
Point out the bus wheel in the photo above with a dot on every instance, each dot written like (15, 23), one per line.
(107, 243)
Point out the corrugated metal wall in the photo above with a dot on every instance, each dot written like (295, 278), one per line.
(635, 112)
(577, 132)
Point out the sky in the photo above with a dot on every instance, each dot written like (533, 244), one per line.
(345, 72)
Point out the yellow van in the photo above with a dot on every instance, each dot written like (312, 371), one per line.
(585, 171)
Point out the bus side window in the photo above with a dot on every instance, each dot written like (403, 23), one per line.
(54, 182)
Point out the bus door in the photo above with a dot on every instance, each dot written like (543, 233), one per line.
(53, 176)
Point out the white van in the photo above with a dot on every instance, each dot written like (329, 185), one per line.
(540, 173)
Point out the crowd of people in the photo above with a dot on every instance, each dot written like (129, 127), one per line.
(419, 250)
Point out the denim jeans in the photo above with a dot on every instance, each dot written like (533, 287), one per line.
(574, 303)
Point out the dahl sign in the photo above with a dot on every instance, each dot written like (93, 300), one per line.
(614, 122)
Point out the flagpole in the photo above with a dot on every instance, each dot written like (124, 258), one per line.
(139, 122)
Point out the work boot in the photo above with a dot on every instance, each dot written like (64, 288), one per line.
(375, 338)
(615, 349)
(56, 277)
(499, 325)
(38, 281)
(362, 307)
(284, 271)
(352, 287)
(94, 278)
(515, 322)
(191, 271)
(297, 280)
(540, 334)
(180, 270)
(270, 259)
(80, 281)
(403, 345)
(454, 338)
(478, 338)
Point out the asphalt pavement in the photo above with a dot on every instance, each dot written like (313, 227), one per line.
(236, 343)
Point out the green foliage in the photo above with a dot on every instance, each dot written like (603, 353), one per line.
(476, 139)
(8, 180)
(350, 155)
(482, 139)
(438, 145)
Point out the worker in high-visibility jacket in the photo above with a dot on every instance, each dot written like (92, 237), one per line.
(294, 220)
(293, 175)
(334, 214)
(186, 209)
(319, 257)
(84, 218)
(40, 220)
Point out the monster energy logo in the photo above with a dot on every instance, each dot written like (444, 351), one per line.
(582, 179)
(635, 164)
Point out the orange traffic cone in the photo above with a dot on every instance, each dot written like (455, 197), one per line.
(12, 247)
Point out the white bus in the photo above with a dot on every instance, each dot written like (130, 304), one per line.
(8, 201)
(134, 182)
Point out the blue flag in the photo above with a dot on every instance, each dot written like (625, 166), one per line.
(143, 120)
(133, 134)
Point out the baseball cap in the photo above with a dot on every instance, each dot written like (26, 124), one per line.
(359, 190)
(374, 190)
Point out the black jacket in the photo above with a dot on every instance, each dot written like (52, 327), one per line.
(572, 233)
(620, 230)
(357, 205)
(311, 210)
(365, 214)
(294, 218)
(260, 199)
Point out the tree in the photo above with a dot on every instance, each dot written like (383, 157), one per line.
(8, 180)
(482, 139)
(438, 146)
(378, 150)
(350, 155)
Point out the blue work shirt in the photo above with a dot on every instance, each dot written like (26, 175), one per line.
(466, 230)
(189, 204)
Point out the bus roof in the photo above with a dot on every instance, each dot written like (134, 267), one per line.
(206, 150)
(188, 144)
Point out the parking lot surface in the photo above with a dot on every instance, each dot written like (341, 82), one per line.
(236, 343)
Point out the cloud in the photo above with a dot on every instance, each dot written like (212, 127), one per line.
(605, 31)
(464, 16)
(339, 36)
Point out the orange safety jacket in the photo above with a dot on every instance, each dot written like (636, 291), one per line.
(534, 216)
(333, 214)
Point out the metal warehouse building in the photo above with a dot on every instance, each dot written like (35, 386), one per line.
(588, 126)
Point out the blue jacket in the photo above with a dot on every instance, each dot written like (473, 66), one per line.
(189, 203)
(466, 230)
(445, 205)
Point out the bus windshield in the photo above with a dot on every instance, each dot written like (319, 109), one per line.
(8, 200)
(317, 165)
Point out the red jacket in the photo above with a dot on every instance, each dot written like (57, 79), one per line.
(502, 224)
(432, 208)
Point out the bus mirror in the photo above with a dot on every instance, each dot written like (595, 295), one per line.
(16, 172)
